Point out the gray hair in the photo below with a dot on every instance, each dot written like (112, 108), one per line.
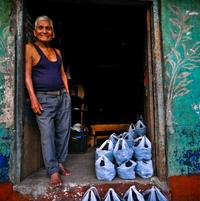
(42, 18)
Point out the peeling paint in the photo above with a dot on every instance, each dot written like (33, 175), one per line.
(7, 71)
(181, 44)
(7, 58)
(7, 116)
(180, 60)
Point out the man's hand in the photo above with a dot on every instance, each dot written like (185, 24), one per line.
(36, 106)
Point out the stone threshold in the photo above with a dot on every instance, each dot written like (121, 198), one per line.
(82, 177)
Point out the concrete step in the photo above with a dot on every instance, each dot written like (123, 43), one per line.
(82, 177)
(76, 193)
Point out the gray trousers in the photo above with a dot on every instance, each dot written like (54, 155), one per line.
(54, 124)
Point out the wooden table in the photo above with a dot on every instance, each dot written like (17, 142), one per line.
(105, 127)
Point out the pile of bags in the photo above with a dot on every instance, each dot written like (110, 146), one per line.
(132, 194)
(125, 154)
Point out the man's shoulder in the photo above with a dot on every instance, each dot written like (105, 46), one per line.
(58, 51)
(29, 45)
(30, 48)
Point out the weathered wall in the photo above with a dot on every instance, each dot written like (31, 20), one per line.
(180, 23)
(7, 57)
(30, 141)
(181, 44)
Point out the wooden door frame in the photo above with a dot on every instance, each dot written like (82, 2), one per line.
(157, 116)
(17, 146)
(158, 88)
(155, 98)
(148, 84)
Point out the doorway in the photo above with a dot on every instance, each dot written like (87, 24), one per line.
(106, 48)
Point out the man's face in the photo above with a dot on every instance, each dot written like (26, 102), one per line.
(43, 31)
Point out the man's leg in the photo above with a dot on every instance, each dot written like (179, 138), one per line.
(47, 131)
(63, 125)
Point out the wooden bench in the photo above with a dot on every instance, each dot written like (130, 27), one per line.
(105, 127)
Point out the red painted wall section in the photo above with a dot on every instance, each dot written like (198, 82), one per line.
(7, 193)
(185, 188)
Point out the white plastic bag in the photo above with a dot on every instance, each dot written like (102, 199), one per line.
(144, 169)
(132, 194)
(154, 194)
(132, 131)
(91, 195)
(129, 139)
(105, 169)
(140, 128)
(111, 195)
(122, 152)
(114, 138)
(142, 149)
(106, 149)
(127, 170)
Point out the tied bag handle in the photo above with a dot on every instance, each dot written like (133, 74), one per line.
(132, 194)
(111, 195)
(144, 143)
(107, 145)
(131, 127)
(140, 124)
(91, 195)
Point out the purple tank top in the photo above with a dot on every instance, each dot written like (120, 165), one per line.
(46, 75)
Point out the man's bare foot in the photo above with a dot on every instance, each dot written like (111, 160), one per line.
(55, 179)
(63, 171)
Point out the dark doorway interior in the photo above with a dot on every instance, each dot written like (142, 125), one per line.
(104, 45)
(108, 50)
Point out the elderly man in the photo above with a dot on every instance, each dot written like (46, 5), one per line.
(48, 90)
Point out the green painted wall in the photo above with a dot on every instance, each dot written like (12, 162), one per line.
(181, 44)
(6, 87)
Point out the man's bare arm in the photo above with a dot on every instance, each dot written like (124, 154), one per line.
(36, 107)
(63, 74)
